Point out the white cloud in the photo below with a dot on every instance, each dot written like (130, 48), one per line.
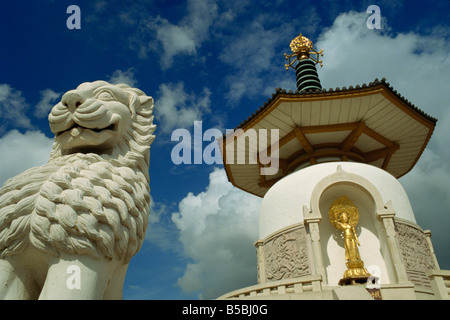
(21, 151)
(217, 229)
(13, 107)
(428, 189)
(48, 100)
(175, 40)
(161, 232)
(254, 59)
(127, 77)
(178, 109)
(354, 54)
(186, 36)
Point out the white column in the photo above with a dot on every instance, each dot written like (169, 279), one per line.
(260, 261)
(430, 245)
(312, 222)
(387, 219)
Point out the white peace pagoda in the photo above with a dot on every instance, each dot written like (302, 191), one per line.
(351, 143)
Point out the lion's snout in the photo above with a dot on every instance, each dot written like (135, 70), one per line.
(72, 100)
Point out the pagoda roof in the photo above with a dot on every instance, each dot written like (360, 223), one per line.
(282, 92)
(370, 123)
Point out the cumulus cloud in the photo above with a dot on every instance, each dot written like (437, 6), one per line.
(179, 109)
(255, 56)
(217, 229)
(21, 151)
(428, 189)
(161, 232)
(409, 61)
(175, 40)
(251, 55)
(127, 77)
(13, 107)
(187, 35)
(48, 100)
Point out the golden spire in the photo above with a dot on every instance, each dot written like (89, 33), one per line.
(302, 48)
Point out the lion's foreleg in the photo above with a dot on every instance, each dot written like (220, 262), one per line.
(16, 281)
(114, 291)
(77, 277)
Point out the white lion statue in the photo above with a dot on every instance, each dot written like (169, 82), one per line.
(69, 228)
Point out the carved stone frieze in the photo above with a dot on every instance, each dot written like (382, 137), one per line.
(416, 252)
(286, 255)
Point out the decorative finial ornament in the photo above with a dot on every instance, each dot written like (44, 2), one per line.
(344, 216)
(302, 48)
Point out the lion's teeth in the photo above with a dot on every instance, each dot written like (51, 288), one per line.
(75, 132)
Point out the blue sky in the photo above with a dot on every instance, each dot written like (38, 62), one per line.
(217, 62)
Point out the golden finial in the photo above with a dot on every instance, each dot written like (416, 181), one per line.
(302, 48)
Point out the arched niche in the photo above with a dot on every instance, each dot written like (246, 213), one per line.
(373, 250)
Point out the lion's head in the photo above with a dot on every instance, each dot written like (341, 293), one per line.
(102, 118)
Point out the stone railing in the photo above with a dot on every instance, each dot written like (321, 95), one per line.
(440, 283)
(280, 287)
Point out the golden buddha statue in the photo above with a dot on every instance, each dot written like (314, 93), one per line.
(344, 216)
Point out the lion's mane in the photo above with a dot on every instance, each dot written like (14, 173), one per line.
(91, 204)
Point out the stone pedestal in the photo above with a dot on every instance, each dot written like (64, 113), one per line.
(356, 273)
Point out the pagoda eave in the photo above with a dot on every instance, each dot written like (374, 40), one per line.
(371, 124)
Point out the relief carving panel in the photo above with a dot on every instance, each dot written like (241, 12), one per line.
(416, 253)
(287, 255)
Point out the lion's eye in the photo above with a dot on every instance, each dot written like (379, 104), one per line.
(105, 95)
